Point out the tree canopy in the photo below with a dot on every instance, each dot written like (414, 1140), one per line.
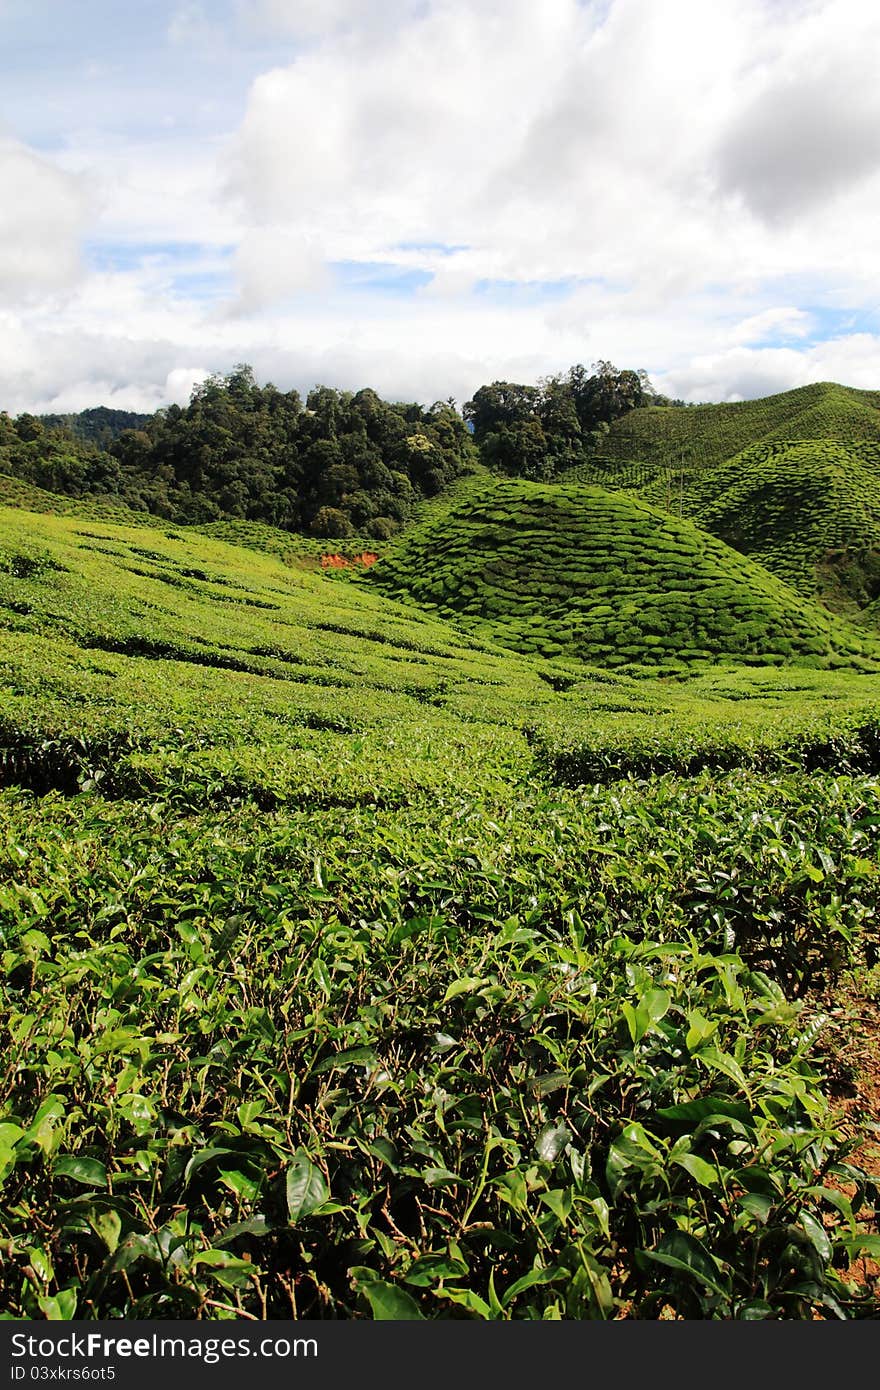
(342, 462)
(535, 431)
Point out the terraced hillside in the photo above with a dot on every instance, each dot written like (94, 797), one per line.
(647, 442)
(186, 656)
(340, 984)
(604, 577)
(136, 658)
(809, 511)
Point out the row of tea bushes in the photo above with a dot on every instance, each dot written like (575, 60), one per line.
(516, 1057)
(601, 576)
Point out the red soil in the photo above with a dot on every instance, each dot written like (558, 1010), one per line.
(341, 562)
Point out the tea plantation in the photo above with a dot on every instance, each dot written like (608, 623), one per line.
(703, 435)
(791, 480)
(809, 511)
(442, 940)
(561, 569)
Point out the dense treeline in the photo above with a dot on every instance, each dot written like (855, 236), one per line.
(55, 459)
(536, 431)
(100, 425)
(344, 462)
(341, 463)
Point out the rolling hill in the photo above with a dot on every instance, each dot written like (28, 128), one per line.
(809, 511)
(792, 481)
(320, 923)
(693, 438)
(605, 578)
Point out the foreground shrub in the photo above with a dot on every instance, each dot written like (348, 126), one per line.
(385, 1077)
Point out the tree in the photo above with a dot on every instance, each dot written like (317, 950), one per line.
(501, 403)
(559, 421)
(381, 528)
(332, 523)
(521, 450)
(322, 404)
(28, 428)
(605, 395)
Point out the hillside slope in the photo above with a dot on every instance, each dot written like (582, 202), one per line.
(807, 510)
(791, 480)
(606, 578)
(696, 437)
(140, 658)
(143, 656)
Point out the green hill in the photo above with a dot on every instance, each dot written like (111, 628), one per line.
(606, 578)
(791, 480)
(808, 510)
(691, 439)
(170, 656)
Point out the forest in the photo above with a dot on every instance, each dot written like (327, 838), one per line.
(339, 463)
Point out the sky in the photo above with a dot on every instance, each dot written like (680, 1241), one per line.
(426, 195)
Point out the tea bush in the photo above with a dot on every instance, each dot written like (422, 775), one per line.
(453, 1066)
(703, 436)
(605, 578)
(327, 996)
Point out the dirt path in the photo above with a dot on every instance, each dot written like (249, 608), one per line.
(852, 1048)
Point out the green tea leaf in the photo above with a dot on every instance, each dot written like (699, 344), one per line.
(306, 1188)
(723, 1062)
(390, 1303)
(88, 1171)
(701, 1171)
(817, 1235)
(468, 984)
(757, 1204)
(10, 1134)
(700, 1030)
(862, 1245)
(531, 1280)
(686, 1254)
(429, 1269)
(551, 1142)
(656, 1003)
(692, 1113)
(107, 1225)
(60, 1307)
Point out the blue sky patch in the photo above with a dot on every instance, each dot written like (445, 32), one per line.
(503, 292)
(379, 277)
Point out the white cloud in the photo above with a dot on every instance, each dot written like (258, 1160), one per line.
(311, 19)
(373, 140)
(807, 128)
(743, 373)
(42, 216)
(274, 262)
(154, 190)
(649, 149)
(699, 180)
(783, 322)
